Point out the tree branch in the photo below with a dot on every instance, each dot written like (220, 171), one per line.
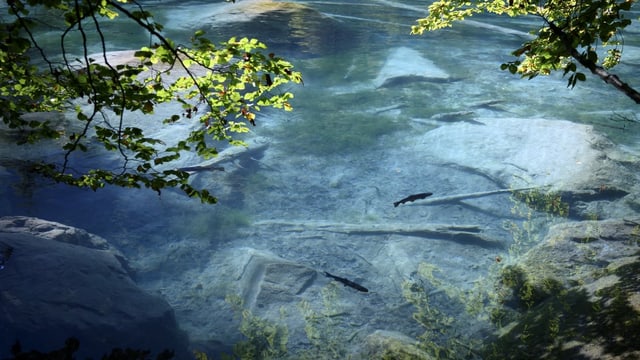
(595, 69)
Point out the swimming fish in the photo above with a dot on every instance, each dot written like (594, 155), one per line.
(347, 282)
(413, 197)
(5, 254)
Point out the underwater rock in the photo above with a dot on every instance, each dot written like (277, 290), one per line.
(383, 344)
(265, 289)
(222, 14)
(20, 158)
(268, 279)
(575, 294)
(295, 30)
(62, 282)
(118, 57)
(631, 55)
(254, 148)
(522, 152)
(405, 65)
(246, 290)
(577, 251)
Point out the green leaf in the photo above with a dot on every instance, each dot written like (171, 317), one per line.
(238, 79)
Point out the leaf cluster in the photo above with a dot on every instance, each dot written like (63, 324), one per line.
(221, 89)
(570, 32)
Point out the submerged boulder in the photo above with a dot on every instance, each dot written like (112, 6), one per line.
(50, 230)
(268, 279)
(222, 14)
(264, 301)
(405, 65)
(61, 282)
(581, 252)
(575, 294)
(522, 152)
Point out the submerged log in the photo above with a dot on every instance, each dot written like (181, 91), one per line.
(450, 116)
(460, 197)
(389, 108)
(464, 234)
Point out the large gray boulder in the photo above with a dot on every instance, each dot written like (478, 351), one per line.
(521, 151)
(61, 281)
(268, 279)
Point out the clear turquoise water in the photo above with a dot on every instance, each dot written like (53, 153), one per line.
(339, 47)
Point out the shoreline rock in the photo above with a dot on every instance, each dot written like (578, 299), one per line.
(575, 294)
(63, 282)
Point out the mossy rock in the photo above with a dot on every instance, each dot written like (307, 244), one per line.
(522, 291)
(593, 321)
(387, 345)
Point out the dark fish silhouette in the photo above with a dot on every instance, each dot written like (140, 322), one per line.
(347, 282)
(5, 254)
(413, 197)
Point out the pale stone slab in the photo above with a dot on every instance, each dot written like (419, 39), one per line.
(405, 65)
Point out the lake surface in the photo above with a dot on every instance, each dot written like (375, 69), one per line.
(341, 157)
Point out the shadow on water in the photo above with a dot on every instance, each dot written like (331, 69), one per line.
(124, 216)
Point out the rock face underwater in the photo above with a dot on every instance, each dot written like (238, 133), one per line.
(63, 282)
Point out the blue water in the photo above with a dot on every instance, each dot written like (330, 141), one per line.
(330, 159)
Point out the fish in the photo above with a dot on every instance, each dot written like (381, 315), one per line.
(347, 282)
(5, 254)
(413, 197)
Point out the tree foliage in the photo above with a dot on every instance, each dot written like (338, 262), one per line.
(220, 87)
(572, 33)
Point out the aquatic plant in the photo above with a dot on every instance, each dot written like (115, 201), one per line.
(549, 202)
(520, 291)
(323, 328)
(440, 339)
(534, 312)
(265, 339)
(552, 321)
(327, 334)
(72, 345)
(538, 209)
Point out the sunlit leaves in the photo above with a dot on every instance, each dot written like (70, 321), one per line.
(105, 11)
(612, 59)
(221, 88)
(23, 86)
(443, 13)
(580, 28)
(235, 82)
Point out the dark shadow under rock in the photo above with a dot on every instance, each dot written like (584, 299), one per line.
(51, 290)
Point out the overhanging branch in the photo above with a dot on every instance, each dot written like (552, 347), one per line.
(595, 69)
